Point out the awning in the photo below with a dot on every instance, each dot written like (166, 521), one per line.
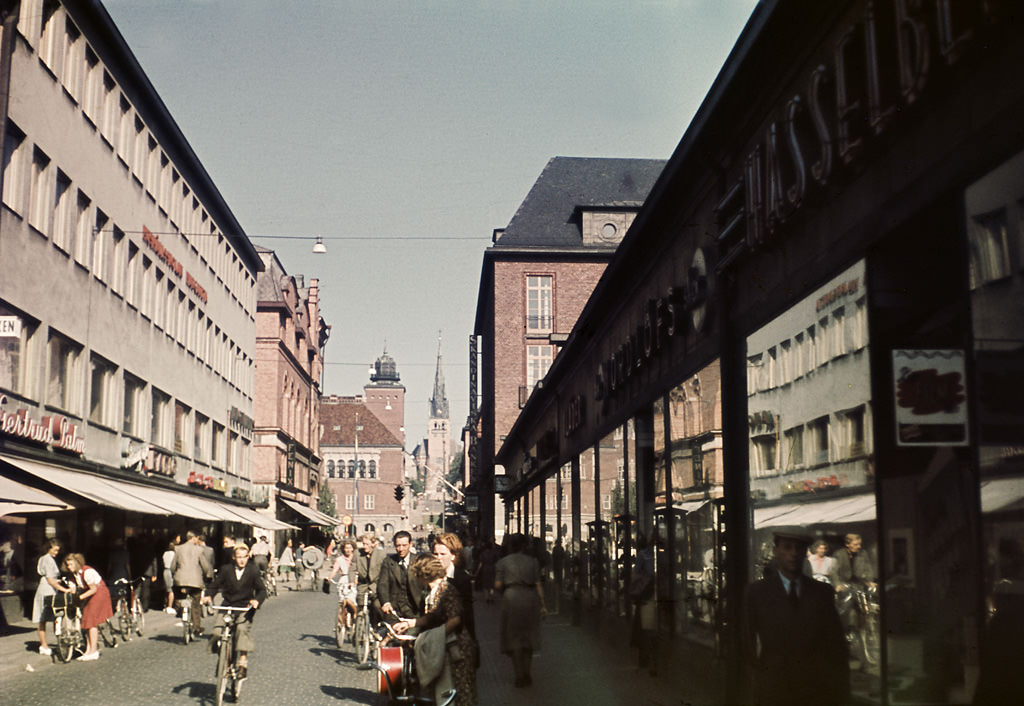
(256, 519)
(315, 516)
(1002, 495)
(837, 511)
(17, 498)
(104, 491)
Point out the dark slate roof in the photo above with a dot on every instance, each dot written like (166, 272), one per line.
(342, 414)
(549, 217)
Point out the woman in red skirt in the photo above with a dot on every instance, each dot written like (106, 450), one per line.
(97, 607)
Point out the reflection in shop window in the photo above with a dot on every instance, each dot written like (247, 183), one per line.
(990, 257)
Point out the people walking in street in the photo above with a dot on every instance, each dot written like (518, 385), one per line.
(167, 561)
(819, 566)
(260, 554)
(240, 585)
(97, 607)
(443, 606)
(642, 594)
(792, 636)
(485, 570)
(517, 579)
(286, 563)
(448, 550)
(400, 597)
(190, 568)
(49, 585)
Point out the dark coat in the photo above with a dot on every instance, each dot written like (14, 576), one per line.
(238, 592)
(798, 654)
(397, 587)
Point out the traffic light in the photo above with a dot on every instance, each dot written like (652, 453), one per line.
(399, 492)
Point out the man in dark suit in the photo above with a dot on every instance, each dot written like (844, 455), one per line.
(241, 586)
(400, 594)
(792, 635)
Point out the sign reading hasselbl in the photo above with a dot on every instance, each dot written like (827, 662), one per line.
(56, 430)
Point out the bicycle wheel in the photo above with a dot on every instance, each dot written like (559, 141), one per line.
(362, 639)
(223, 669)
(138, 617)
(186, 622)
(65, 640)
(870, 640)
(124, 619)
(106, 631)
(339, 627)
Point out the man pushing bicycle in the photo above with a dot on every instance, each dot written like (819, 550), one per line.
(241, 586)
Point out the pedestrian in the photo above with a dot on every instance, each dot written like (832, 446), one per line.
(400, 596)
(286, 563)
(97, 608)
(443, 609)
(641, 593)
(517, 579)
(448, 550)
(260, 554)
(792, 636)
(485, 570)
(190, 568)
(167, 560)
(49, 586)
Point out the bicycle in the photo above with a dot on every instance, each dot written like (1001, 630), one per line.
(859, 609)
(397, 682)
(185, 608)
(129, 614)
(228, 668)
(363, 637)
(67, 625)
(343, 624)
(107, 633)
(269, 576)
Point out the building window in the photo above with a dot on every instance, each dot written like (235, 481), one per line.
(16, 335)
(82, 236)
(101, 246)
(101, 390)
(819, 439)
(62, 385)
(200, 441)
(15, 151)
(330, 469)
(794, 449)
(853, 432)
(350, 502)
(606, 501)
(763, 456)
(538, 304)
(62, 223)
(362, 469)
(538, 360)
(160, 418)
(181, 418)
(368, 502)
(351, 469)
(134, 388)
(373, 469)
(41, 194)
(216, 447)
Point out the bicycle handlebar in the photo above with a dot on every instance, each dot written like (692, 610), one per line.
(231, 608)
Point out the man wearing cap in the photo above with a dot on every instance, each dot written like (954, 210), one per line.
(792, 635)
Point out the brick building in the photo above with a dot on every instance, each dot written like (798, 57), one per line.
(290, 338)
(536, 277)
(364, 454)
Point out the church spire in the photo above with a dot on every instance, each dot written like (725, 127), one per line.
(439, 402)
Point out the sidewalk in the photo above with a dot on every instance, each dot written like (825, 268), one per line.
(571, 669)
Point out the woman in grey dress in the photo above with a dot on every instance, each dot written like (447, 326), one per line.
(517, 578)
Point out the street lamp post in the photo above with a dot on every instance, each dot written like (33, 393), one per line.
(355, 477)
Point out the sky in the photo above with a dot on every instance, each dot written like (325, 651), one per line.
(405, 131)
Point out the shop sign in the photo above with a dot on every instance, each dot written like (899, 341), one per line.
(241, 422)
(55, 431)
(175, 266)
(198, 480)
(680, 309)
(931, 398)
(10, 327)
(161, 463)
(880, 64)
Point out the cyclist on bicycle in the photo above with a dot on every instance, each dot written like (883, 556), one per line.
(240, 585)
(345, 568)
(190, 567)
(260, 554)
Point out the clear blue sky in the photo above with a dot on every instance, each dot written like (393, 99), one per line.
(404, 132)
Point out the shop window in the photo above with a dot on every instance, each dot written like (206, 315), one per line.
(538, 304)
(101, 389)
(62, 389)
